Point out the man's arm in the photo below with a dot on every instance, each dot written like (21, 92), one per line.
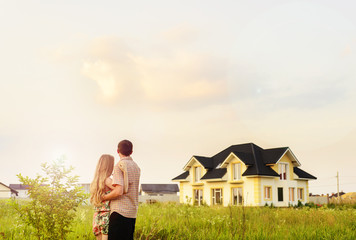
(115, 192)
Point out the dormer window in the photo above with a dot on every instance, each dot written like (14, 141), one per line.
(197, 174)
(236, 171)
(283, 171)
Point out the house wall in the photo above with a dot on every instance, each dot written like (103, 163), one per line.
(5, 192)
(164, 198)
(22, 194)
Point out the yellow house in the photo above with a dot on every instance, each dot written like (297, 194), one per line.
(245, 174)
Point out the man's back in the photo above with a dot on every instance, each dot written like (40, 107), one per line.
(127, 204)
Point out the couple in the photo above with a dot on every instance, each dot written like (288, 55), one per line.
(116, 199)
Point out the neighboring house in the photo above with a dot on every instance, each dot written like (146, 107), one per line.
(159, 193)
(319, 199)
(159, 189)
(21, 189)
(7, 192)
(245, 174)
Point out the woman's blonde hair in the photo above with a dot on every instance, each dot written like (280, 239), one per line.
(103, 171)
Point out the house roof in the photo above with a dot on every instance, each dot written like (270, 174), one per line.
(205, 161)
(254, 157)
(11, 189)
(302, 174)
(271, 156)
(182, 176)
(160, 188)
(214, 174)
(19, 186)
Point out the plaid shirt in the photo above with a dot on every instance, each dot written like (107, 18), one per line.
(126, 204)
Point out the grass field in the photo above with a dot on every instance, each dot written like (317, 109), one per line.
(174, 221)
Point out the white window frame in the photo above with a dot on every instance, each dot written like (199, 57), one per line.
(300, 194)
(283, 171)
(236, 192)
(198, 196)
(197, 174)
(291, 194)
(214, 191)
(236, 171)
(268, 192)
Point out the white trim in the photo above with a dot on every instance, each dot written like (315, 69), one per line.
(304, 179)
(214, 180)
(262, 176)
(228, 159)
(189, 163)
(292, 154)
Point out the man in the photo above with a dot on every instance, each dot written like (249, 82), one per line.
(124, 196)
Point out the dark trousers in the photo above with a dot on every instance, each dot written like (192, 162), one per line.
(120, 227)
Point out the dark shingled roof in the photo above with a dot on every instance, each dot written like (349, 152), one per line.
(302, 174)
(254, 157)
(182, 176)
(160, 188)
(214, 173)
(19, 186)
(271, 156)
(205, 161)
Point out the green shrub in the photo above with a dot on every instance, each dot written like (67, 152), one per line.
(53, 201)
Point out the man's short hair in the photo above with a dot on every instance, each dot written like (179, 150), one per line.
(125, 147)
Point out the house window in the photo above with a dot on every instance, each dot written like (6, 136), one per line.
(198, 196)
(236, 171)
(283, 170)
(268, 193)
(291, 194)
(236, 194)
(300, 194)
(280, 194)
(217, 198)
(197, 174)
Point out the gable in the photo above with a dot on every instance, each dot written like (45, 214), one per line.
(197, 161)
(232, 158)
(289, 157)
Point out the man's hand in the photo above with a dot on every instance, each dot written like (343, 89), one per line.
(115, 192)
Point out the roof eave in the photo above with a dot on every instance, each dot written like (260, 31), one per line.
(214, 180)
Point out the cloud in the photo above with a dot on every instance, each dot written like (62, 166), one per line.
(182, 77)
(161, 79)
(101, 72)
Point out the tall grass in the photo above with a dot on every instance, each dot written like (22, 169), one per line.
(175, 221)
(171, 221)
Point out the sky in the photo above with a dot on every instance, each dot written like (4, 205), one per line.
(177, 78)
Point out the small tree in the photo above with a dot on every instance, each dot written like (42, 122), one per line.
(53, 201)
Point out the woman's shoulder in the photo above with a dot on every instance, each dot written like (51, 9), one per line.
(108, 180)
(108, 183)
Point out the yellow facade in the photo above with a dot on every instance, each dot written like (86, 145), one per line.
(257, 190)
(252, 187)
(285, 159)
